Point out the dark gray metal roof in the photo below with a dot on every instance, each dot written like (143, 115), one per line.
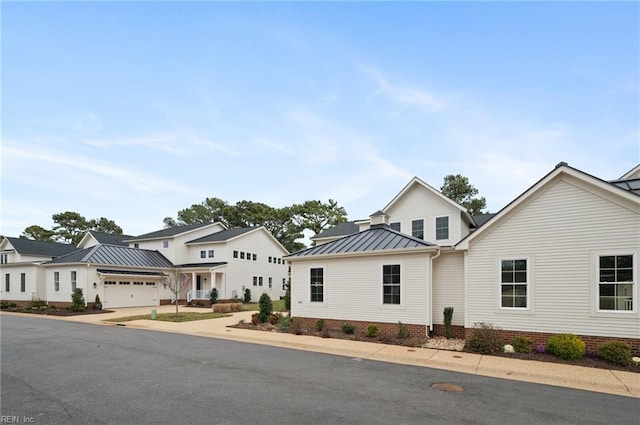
(110, 238)
(196, 265)
(379, 237)
(170, 231)
(480, 219)
(341, 229)
(632, 185)
(40, 248)
(224, 235)
(131, 272)
(115, 255)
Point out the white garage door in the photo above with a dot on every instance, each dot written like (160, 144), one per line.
(130, 294)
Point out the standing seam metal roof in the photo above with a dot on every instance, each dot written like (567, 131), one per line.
(377, 238)
(224, 235)
(169, 231)
(115, 255)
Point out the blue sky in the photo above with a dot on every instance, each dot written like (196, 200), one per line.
(133, 111)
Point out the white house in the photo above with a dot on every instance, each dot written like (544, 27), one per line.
(562, 257)
(22, 278)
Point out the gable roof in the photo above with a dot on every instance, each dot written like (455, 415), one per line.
(632, 173)
(379, 238)
(562, 169)
(341, 229)
(115, 255)
(106, 238)
(224, 235)
(170, 232)
(40, 248)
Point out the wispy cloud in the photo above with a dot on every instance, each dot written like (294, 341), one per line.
(405, 96)
(218, 147)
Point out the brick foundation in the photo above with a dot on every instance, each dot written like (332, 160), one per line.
(386, 329)
(458, 331)
(540, 338)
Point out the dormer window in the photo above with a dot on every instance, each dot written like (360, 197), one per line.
(165, 244)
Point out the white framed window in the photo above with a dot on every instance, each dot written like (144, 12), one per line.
(7, 282)
(4, 258)
(248, 256)
(616, 282)
(284, 284)
(442, 228)
(242, 255)
(255, 281)
(395, 226)
(391, 284)
(74, 279)
(255, 257)
(203, 254)
(165, 244)
(235, 254)
(269, 259)
(514, 283)
(260, 281)
(316, 278)
(136, 245)
(56, 281)
(417, 228)
(270, 282)
(23, 282)
(211, 253)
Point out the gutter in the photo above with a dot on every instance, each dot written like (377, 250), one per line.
(430, 318)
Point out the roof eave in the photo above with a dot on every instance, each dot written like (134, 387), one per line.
(399, 251)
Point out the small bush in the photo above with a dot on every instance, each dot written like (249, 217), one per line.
(522, 344)
(222, 308)
(348, 328)
(77, 300)
(448, 318)
(274, 318)
(319, 325)
(485, 338)
(247, 295)
(97, 304)
(403, 332)
(213, 297)
(4, 305)
(566, 346)
(616, 352)
(35, 303)
(13, 305)
(541, 349)
(266, 307)
(325, 333)
(200, 304)
(372, 331)
(284, 322)
(254, 318)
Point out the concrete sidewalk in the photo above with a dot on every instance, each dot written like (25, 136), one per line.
(590, 379)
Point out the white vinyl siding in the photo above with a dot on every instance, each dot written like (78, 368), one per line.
(349, 279)
(563, 231)
(448, 287)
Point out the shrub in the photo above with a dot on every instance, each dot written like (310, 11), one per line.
(35, 302)
(13, 305)
(287, 298)
(199, 303)
(77, 300)
(522, 344)
(213, 297)
(284, 322)
(247, 295)
(566, 346)
(348, 328)
(266, 307)
(236, 307)
(319, 325)
(403, 332)
(254, 318)
(222, 308)
(372, 331)
(615, 352)
(97, 303)
(4, 305)
(448, 318)
(485, 338)
(273, 319)
(541, 349)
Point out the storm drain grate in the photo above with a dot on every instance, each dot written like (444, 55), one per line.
(448, 387)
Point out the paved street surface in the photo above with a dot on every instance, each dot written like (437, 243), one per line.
(57, 372)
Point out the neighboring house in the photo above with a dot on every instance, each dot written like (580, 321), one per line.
(22, 278)
(128, 271)
(562, 257)
(231, 260)
(92, 238)
(121, 276)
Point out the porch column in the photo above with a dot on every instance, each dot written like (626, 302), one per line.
(193, 281)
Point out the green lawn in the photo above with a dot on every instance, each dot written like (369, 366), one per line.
(278, 305)
(171, 317)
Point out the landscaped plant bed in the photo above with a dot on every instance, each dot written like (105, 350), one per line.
(586, 361)
(55, 311)
(441, 344)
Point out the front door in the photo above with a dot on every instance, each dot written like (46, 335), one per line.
(198, 283)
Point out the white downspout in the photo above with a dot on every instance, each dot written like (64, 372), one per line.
(430, 318)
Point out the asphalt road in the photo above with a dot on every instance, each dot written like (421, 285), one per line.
(56, 372)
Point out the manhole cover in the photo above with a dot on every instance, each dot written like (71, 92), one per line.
(448, 387)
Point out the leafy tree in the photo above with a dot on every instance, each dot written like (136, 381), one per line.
(105, 225)
(317, 216)
(458, 189)
(38, 233)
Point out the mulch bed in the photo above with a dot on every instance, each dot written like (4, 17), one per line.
(56, 312)
(587, 361)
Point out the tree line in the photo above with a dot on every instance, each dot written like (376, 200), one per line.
(287, 224)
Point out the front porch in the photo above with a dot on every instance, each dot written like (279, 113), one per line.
(203, 281)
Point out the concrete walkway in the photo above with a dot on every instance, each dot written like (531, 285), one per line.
(569, 376)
